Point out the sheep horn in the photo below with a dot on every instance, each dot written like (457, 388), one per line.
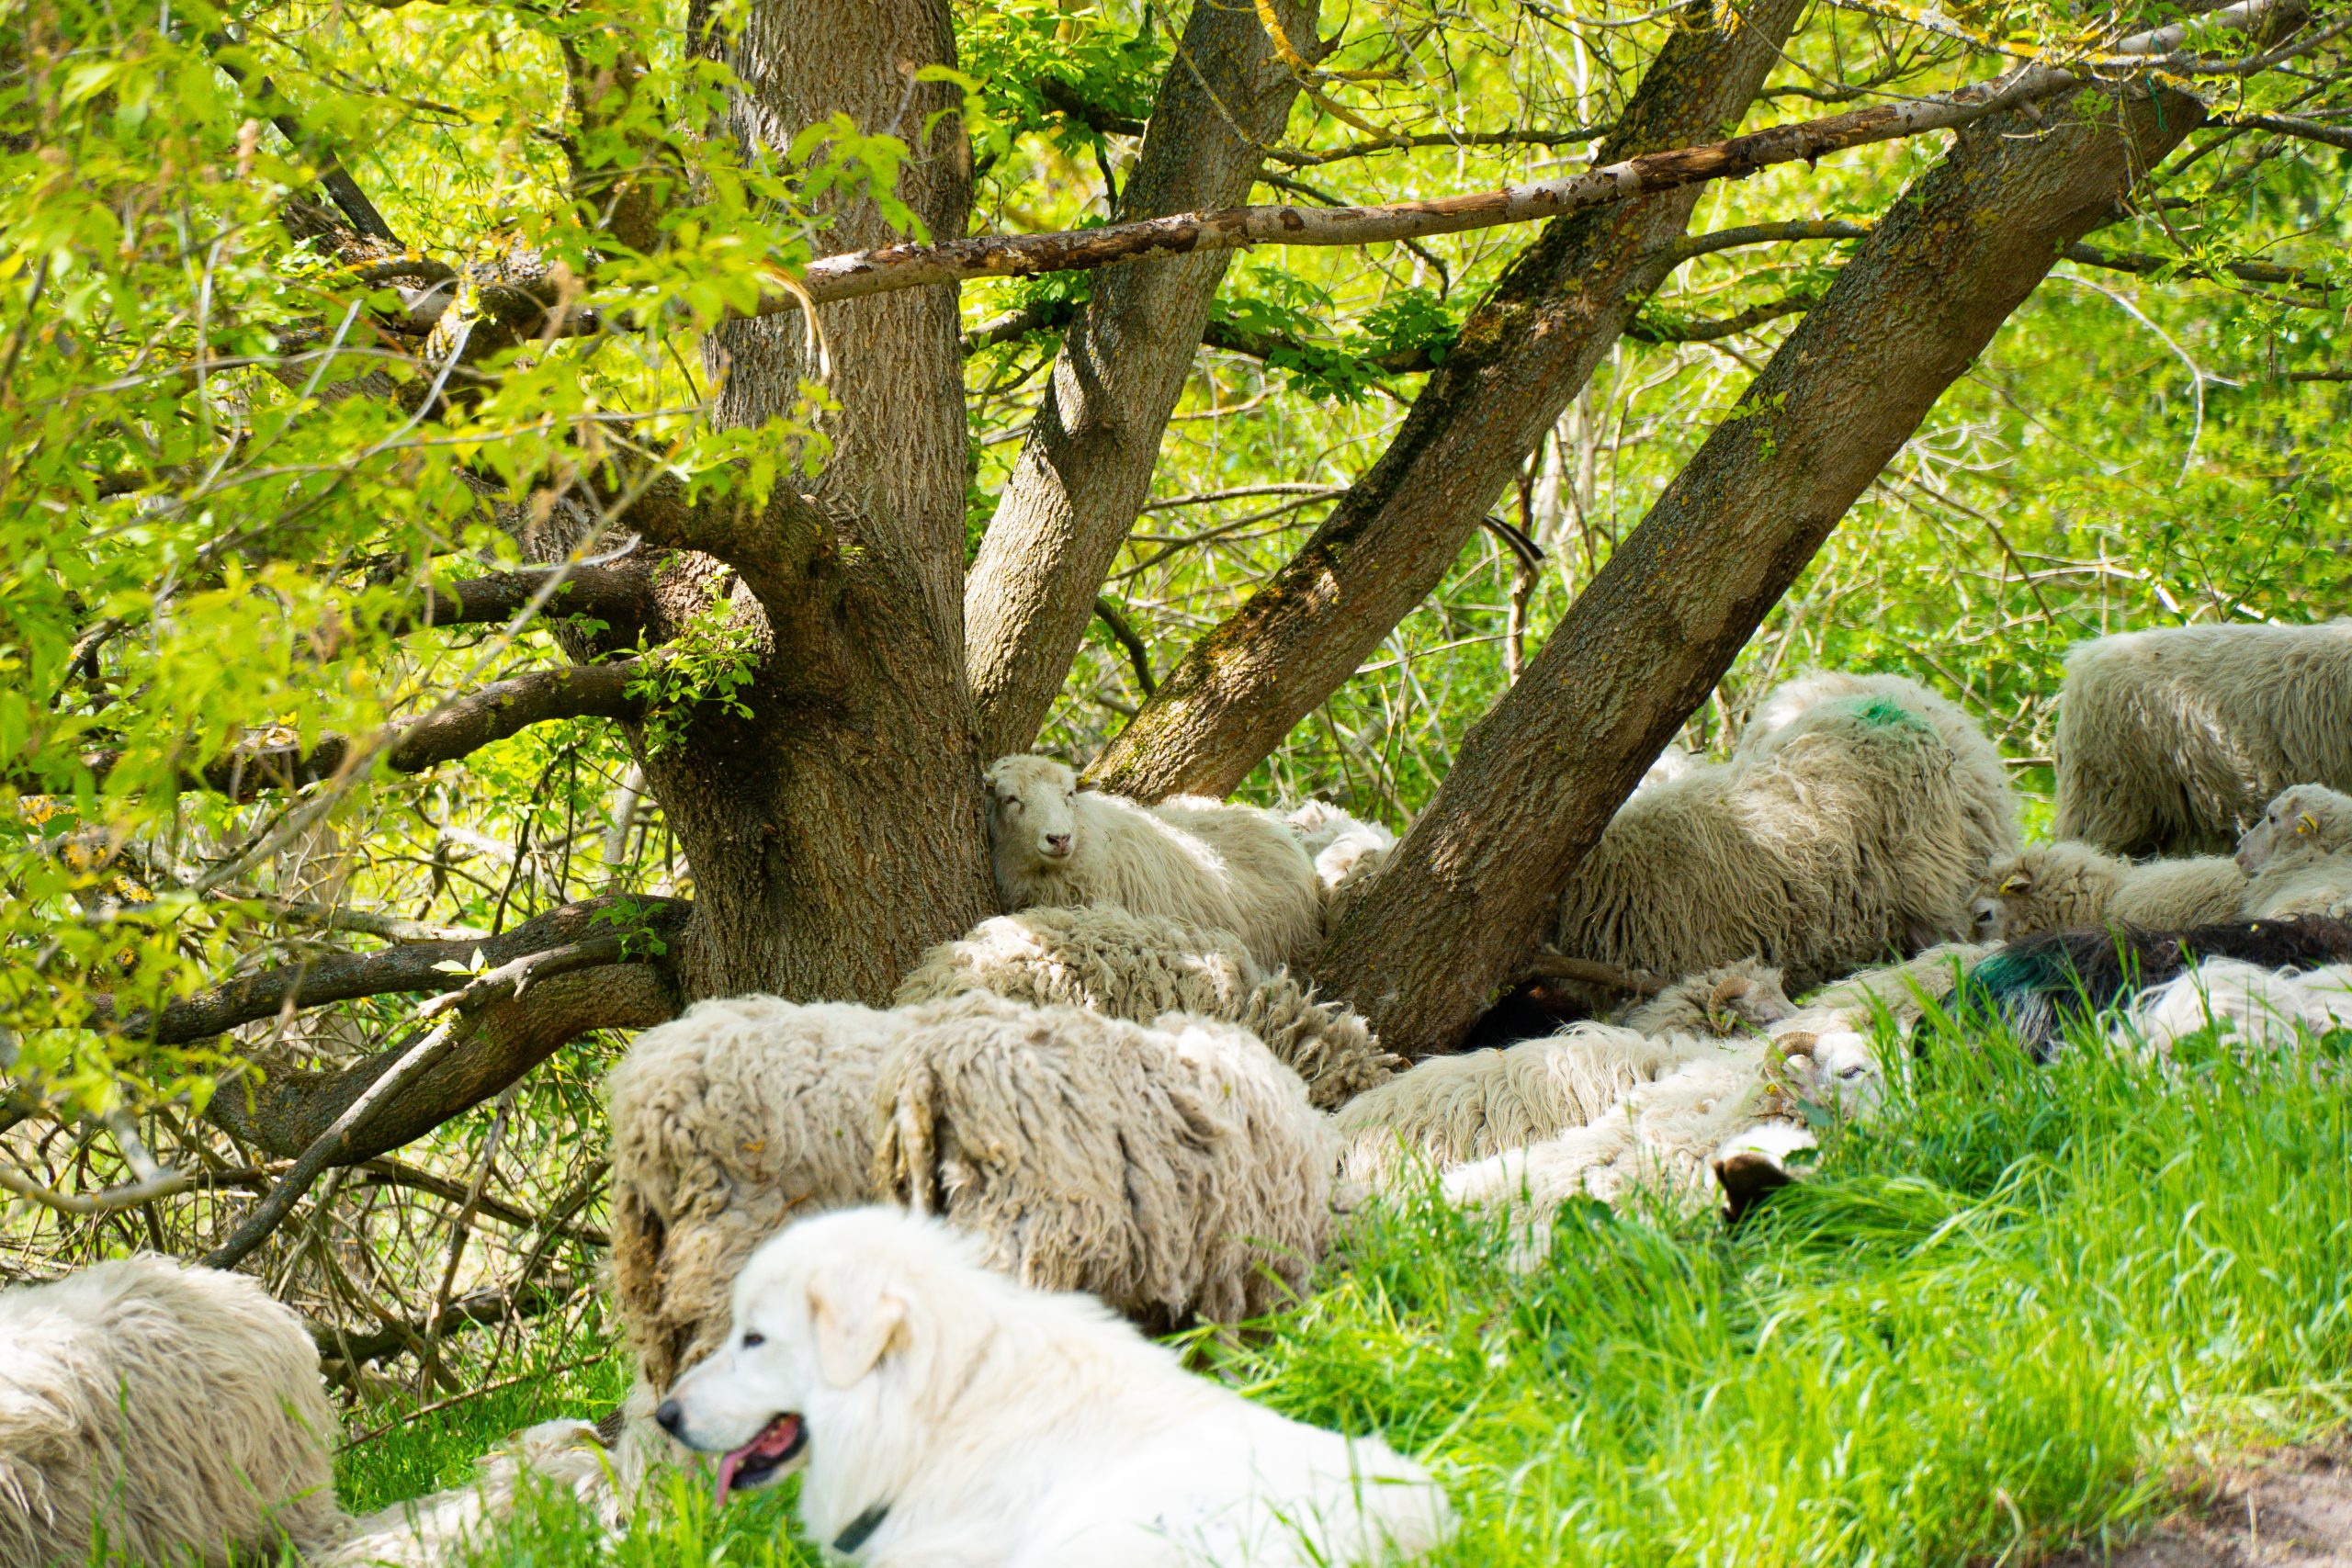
(1554, 966)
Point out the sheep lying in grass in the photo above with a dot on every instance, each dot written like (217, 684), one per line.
(2258, 1006)
(177, 1411)
(2037, 986)
(1664, 1137)
(1902, 991)
(1853, 833)
(450, 1527)
(1174, 1171)
(2299, 855)
(1448, 1109)
(1137, 967)
(727, 1121)
(2169, 742)
(2048, 887)
(1197, 861)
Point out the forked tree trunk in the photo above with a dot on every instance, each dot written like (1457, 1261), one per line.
(1475, 883)
(837, 831)
(1524, 353)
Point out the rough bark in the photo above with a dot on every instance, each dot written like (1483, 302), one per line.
(837, 831)
(1527, 350)
(1086, 467)
(1535, 783)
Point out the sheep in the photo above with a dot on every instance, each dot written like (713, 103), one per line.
(2300, 853)
(1902, 991)
(1336, 840)
(2035, 986)
(2169, 742)
(2264, 1008)
(179, 1410)
(1190, 859)
(1137, 967)
(1855, 830)
(2048, 887)
(176, 1409)
(1980, 760)
(726, 1121)
(2302, 822)
(1449, 1109)
(450, 1527)
(1664, 1137)
(1731, 998)
(1672, 763)
(1174, 1169)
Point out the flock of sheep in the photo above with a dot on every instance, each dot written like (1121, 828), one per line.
(1119, 1087)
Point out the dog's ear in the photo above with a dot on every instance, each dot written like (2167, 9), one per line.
(857, 1325)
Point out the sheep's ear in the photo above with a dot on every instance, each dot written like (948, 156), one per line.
(2306, 825)
(2017, 882)
(854, 1329)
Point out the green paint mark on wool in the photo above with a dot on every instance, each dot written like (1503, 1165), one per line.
(1887, 711)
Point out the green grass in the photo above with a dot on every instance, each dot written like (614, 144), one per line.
(1986, 1329)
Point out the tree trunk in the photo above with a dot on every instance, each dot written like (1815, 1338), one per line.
(1475, 883)
(837, 831)
(1526, 351)
(1086, 467)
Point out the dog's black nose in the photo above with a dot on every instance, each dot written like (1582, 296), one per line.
(670, 1417)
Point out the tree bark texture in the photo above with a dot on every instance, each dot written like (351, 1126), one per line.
(1086, 467)
(1524, 353)
(837, 831)
(1476, 883)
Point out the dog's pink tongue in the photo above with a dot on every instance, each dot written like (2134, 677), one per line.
(775, 1440)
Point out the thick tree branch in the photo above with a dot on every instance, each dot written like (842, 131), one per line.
(892, 267)
(1521, 355)
(2337, 136)
(1087, 464)
(1454, 913)
(771, 546)
(413, 967)
(616, 592)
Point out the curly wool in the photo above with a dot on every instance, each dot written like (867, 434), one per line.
(1731, 999)
(1662, 1136)
(2048, 887)
(2170, 741)
(1854, 832)
(1175, 1170)
(727, 1121)
(1137, 967)
(1903, 992)
(1190, 859)
(1448, 1109)
(177, 1408)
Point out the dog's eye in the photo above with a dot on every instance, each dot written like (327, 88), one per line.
(754, 1341)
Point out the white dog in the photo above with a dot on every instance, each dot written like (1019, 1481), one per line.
(950, 1416)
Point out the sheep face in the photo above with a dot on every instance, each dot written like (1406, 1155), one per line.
(1032, 811)
(1836, 1069)
(2310, 818)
